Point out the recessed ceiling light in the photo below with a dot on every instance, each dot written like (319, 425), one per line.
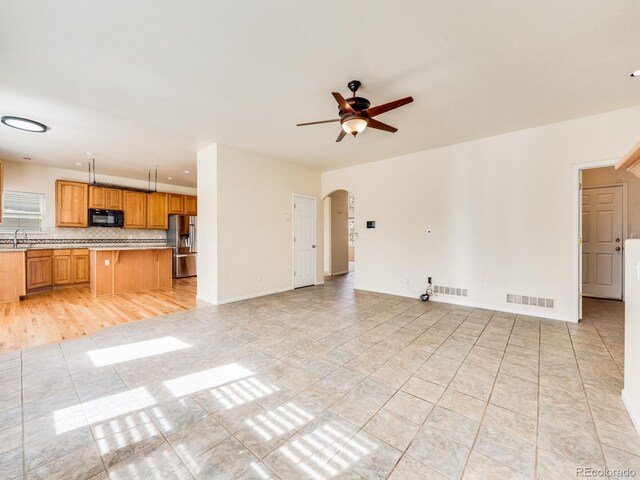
(169, 178)
(636, 73)
(187, 171)
(23, 124)
(88, 154)
(79, 164)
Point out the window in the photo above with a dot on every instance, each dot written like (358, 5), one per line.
(22, 210)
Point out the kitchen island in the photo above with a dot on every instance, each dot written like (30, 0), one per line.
(129, 269)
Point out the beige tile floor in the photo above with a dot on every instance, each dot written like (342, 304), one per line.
(322, 383)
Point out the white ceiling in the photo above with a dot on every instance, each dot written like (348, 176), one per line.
(150, 82)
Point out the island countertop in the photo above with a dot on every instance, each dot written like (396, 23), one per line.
(128, 248)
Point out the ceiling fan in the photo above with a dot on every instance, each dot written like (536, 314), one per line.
(356, 113)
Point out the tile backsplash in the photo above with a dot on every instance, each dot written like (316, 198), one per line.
(89, 235)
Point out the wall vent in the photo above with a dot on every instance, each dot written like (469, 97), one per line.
(456, 291)
(530, 300)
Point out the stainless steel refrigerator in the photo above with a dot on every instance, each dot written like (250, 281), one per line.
(182, 238)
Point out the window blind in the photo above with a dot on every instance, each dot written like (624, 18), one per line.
(22, 210)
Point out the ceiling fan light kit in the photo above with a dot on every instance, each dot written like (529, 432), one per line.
(356, 113)
(24, 124)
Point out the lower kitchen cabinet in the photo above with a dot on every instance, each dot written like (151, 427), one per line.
(80, 265)
(62, 267)
(57, 267)
(39, 271)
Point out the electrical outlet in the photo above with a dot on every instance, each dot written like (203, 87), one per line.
(106, 262)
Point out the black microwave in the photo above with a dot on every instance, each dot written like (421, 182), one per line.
(106, 218)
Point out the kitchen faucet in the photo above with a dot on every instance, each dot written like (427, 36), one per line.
(15, 237)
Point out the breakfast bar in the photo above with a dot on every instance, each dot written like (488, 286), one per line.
(131, 269)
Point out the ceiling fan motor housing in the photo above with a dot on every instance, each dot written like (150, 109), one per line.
(357, 103)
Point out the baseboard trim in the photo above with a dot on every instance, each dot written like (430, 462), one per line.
(467, 303)
(339, 273)
(635, 415)
(253, 295)
(207, 299)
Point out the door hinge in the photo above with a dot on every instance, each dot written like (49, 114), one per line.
(579, 240)
(579, 294)
(580, 186)
(295, 206)
(294, 273)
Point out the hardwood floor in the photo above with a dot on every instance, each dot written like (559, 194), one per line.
(65, 313)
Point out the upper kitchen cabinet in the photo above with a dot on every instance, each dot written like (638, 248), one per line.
(176, 204)
(135, 209)
(114, 199)
(157, 211)
(72, 201)
(105, 198)
(190, 205)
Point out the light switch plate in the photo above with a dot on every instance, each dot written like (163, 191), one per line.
(106, 262)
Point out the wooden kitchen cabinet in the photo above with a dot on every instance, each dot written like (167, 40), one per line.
(97, 197)
(190, 205)
(176, 204)
(157, 211)
(39, 269)
(113, 199)
(62, 274)
(135, 209)
(80, 265)
(72, 203)
(105, 198)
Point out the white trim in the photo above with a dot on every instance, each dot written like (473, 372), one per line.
(249, 296)
(293, 234)
(339, 273)
(635, 416)
(576, 288)
(207, 299)
(548, 313)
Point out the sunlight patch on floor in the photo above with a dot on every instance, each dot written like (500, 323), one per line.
(134, 351)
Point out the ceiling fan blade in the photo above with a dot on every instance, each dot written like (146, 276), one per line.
(373, 111)
(373, 123)
(316, 123)
(344, 106)
(341, 135)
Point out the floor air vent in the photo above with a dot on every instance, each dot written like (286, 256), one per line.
(531, 301)
(458, 292)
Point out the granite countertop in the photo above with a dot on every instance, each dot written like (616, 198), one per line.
(140, 247)
(101, 246)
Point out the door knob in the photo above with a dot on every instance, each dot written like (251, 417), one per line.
(617, 239)
(313, 246)
(617, 249)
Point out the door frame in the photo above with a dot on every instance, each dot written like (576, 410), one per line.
(293, 243)
(622, 185)
(576, 213)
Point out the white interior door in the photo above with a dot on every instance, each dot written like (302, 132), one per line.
(602, 242)
(304, 241)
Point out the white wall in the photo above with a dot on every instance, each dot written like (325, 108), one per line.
(631, 392)
(253, 243)
(500, 209)
(25, 177)
(327, 235)
(207, 258)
